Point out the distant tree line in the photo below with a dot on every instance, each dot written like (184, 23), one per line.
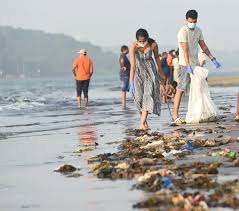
(36, 53)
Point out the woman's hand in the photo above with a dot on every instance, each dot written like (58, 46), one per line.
(162, 79)
(162, 89)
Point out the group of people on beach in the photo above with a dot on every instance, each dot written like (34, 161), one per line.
(149, 76)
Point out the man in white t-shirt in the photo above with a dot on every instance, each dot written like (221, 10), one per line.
(189, 37)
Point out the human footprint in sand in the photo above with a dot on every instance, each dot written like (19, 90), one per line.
(237, 114)
(145, 78)
(189, 37)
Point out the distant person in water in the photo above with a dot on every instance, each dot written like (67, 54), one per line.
(145, 76)
(124, 73)
(82, 70)
(237, 114)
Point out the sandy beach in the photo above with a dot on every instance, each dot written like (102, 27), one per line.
(201, 178)
(224, 81)
(40, 132)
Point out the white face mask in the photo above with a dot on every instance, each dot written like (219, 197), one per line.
(191, 25)
(142, 45)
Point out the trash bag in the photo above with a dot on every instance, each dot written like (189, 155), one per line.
(200, 105)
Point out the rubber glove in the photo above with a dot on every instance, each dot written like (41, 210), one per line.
(189, 70)
(131, 89)
(216, 63)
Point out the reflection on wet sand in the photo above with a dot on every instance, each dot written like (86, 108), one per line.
(87, 135)
(87, 132)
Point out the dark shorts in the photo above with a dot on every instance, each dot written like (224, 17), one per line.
(166, 71)
(124, 83)
(82, 86)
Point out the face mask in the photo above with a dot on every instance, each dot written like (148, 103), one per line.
(142, 45)
(191, 25)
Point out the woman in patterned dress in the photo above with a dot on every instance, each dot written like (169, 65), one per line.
(145, 78)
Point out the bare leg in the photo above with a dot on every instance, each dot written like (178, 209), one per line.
(78, 101)
(123, 99)
(143, 120)
(237, 114)
(86, 102)
(177, 100)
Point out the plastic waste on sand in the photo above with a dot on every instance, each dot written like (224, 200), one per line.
(188, 147)
(200, 105)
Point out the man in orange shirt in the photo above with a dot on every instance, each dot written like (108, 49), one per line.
(82, 70)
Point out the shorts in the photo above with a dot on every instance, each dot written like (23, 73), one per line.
(124, 83)
(82, 85)
(183, 78)
(166, 71)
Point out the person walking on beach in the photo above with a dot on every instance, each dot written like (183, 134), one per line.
(170, 64)
(189, 37)
(237, 114)
(82, 70)
(145, 78)
(166, 71)
(175, 66)
(124, 73)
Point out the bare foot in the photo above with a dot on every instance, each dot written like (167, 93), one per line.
(146, 125)
(237, 118)
(142, 127)
(79, 106)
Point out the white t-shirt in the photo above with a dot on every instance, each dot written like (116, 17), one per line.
(192, 37)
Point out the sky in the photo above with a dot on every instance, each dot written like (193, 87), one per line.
(114, 22)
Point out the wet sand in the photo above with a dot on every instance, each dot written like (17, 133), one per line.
(224, 81)
(201, 181)
(37, 135)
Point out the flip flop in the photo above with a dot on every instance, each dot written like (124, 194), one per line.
(237, 118)
(178, 121)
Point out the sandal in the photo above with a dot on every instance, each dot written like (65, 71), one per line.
(178, 121)
(237, 118)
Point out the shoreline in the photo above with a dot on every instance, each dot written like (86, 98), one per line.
(198, 178)
(228, 81)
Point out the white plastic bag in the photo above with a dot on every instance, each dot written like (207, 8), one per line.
(200, 105)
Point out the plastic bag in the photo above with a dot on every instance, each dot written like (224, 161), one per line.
(200, 105)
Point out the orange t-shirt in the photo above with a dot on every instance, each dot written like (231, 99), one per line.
(83, 67)
(170, 60)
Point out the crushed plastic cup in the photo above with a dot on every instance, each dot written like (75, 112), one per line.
(220, 153)
(188, 147)
(232, 154)
(167, 181)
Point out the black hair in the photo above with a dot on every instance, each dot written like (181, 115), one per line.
(174, 84)
(124, 47)
(164, 54)
(192, 14)
(143, 33)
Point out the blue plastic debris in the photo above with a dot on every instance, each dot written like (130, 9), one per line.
(167, 181)
(188, 147)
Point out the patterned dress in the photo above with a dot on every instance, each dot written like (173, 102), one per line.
(147, 86)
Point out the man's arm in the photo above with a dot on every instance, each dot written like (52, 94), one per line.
(122, 64)
(185, 52)
(91, 70)
(205, 49)
(74, 72)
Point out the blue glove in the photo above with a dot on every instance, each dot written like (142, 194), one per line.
(216, 63)
(131, 89)
(189, 70)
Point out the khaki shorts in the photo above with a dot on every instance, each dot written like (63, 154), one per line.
(183, 78)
